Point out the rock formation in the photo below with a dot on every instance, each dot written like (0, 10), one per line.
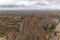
(31, 29)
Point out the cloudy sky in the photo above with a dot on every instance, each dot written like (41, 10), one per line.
(30, 4)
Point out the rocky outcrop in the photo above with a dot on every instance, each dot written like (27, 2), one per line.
(31, 29)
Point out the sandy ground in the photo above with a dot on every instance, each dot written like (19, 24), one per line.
(2, 38)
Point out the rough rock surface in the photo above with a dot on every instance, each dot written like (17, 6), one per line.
(31, 29)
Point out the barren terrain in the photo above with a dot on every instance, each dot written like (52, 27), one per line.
(28, 26)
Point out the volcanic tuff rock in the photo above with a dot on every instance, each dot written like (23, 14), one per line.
(31, 29)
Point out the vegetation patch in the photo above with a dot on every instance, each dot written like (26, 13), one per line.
(49, 29)
(2, 31)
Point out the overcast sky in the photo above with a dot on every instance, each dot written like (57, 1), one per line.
(32, 4)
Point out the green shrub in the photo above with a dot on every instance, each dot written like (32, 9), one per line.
(17, 30)
(52, 28)
(49, 29)
(2, 31)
